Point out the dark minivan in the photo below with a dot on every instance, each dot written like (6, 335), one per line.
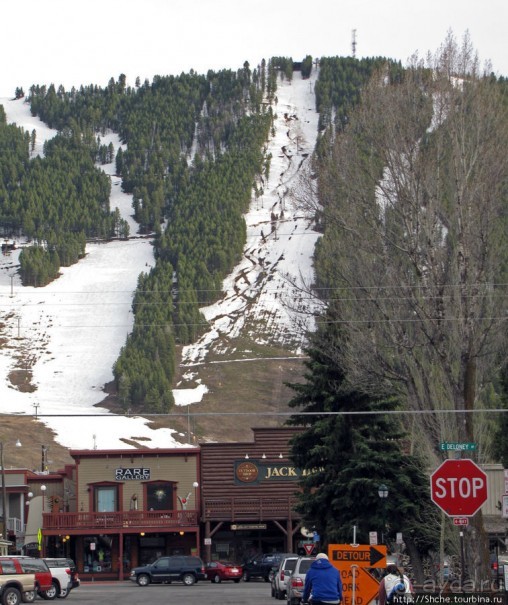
(177, 568)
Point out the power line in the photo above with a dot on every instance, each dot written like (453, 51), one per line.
(490, 285)
(270, 413)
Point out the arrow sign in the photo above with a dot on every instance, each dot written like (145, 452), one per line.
(361, 555)
(358, 583)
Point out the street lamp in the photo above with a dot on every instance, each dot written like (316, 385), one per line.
(4, 486)
(43, 490)
(195, 485)
(383, 494)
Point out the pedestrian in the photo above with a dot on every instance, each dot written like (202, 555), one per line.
(394, 583)
(322, 583)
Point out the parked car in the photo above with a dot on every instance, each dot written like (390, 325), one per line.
(177, 568)
(281, 575)
(217, 571)
(296, 581)
(38, 567)
(15, 584)
(65, 575)
(263, 566)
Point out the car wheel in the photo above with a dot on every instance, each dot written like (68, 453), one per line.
(28, 596)
(63, 594)
(282, 595)
(245, 576)
(11, 596)
(216, 579)
(236, 581)
(143, 580)
(52, 592)
(188, 579)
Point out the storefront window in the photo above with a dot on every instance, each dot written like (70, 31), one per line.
(160, 495)
(98, 554)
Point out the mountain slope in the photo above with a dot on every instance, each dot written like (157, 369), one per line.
(64, 338)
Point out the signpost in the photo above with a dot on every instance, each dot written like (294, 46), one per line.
(352, 561)
(459, 487)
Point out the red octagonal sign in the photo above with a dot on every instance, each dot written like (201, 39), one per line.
(459, 487)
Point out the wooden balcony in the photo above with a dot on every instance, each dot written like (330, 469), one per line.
(133, 519)
(249, 509)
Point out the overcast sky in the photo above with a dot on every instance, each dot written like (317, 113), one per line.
(73, 42)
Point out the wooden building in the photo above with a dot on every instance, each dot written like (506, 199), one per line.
(249, 495)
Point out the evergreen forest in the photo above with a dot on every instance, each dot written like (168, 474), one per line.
(192, 154)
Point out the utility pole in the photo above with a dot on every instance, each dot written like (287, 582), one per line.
(353, 43)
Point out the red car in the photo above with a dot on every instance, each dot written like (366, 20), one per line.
(217, 571)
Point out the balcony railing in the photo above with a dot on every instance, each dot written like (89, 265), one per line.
(243, 509)
(162, 519)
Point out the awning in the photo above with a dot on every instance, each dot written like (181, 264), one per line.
(34, 520)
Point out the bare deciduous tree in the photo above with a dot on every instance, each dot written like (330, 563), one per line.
(414, 198)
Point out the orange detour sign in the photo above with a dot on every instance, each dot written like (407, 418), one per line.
(361, 555)
(358, 586)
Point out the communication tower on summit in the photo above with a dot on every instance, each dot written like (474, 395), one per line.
(353, 43)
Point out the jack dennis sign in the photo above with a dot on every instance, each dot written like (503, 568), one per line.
(256, 471)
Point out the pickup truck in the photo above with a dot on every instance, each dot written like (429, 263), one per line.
(61, 578)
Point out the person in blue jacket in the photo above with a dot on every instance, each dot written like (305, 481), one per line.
(323, 585)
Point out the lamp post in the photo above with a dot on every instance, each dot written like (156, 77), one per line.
(383, 494)
(43, 490)
(195, 485)
(4, 487)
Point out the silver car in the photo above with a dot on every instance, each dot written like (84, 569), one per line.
(296, 581)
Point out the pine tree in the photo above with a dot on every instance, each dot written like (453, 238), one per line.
(353, 443)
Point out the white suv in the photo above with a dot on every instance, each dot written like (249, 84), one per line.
(280, 577)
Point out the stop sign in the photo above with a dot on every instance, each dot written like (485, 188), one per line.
(459, 487)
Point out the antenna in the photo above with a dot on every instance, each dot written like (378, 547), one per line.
(353, 43)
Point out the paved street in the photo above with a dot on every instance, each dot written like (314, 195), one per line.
(206, 593)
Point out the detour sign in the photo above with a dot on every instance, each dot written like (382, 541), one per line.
(361, 555)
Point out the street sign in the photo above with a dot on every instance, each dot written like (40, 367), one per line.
(458, 447)
(459, 487)
(308, 548)
(460, 521)
(358, 586)
(361, 555)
